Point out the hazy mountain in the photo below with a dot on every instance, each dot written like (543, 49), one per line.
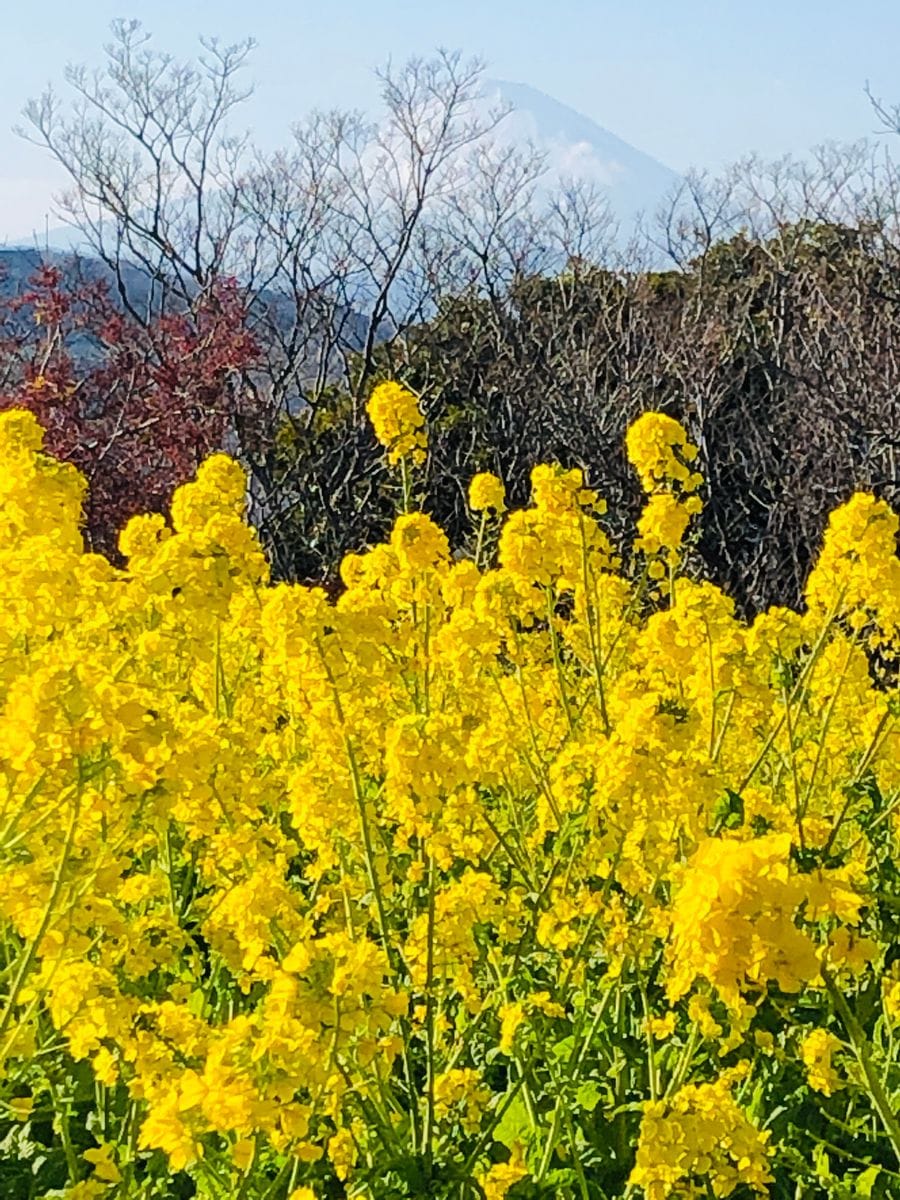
(58, 239)
(577, 147)
(18, 265)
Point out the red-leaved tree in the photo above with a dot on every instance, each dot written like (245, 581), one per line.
(136, 406)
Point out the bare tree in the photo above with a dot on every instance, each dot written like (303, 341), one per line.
(154, 167)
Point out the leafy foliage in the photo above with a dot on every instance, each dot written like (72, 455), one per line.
(136, 407)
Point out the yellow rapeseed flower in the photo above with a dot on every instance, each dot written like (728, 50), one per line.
(486, 491)
(398, 422)
(816, 1051)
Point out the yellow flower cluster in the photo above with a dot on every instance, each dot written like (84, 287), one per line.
(486, 491)
(733, 919)
(662, 455)
(700, 1136)
(448, 875)
(816, 1051)
(398, 422)
(496, 1182)
(660, 452)
(858, 572)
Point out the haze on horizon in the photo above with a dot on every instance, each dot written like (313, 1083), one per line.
(698, 83)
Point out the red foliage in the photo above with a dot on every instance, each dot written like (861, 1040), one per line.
(134, 406)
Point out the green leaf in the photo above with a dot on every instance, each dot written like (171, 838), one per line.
(821, 1163)
(866, 1182)
(515, 1124)
(563, 1049)
(588, 1095)
(729, 810)
(196, 1002)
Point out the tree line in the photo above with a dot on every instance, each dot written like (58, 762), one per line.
(251, 301)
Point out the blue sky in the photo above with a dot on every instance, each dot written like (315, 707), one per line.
(692, 82)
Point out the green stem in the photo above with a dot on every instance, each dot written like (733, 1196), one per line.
(405, 483)
(860, 1044)
(795, 778)
(55, 890)
(805, 672)
(595, 634)
(684, 1062)
(479, 543)
(651, 1057)
(428, 1130)
(550, 1144)
(62, 1116)
(557, 662)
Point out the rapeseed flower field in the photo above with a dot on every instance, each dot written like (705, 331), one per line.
(534, 873)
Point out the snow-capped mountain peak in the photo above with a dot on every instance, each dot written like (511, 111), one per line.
(576, 147)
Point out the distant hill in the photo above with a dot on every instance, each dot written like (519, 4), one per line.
(18, 265)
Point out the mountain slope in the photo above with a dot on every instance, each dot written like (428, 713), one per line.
(578, 148)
